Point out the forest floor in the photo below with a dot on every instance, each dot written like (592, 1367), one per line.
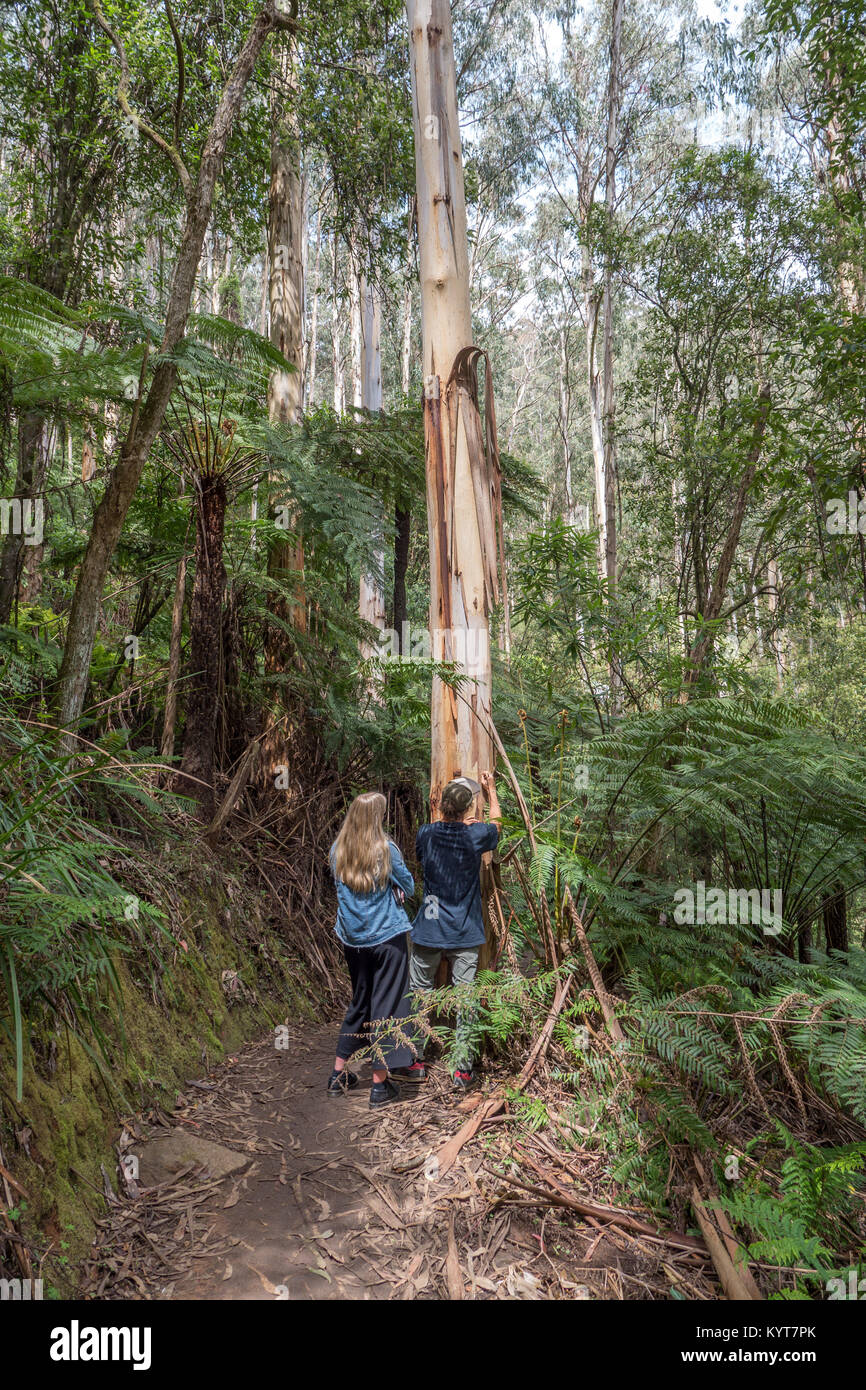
(336, 1201)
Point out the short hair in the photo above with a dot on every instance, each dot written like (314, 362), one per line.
(455, 801)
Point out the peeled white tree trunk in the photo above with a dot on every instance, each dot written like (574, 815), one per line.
(462, 543)
(336, 335)
(371, 597)
(408, 276)
(355, 341)
(286, 254)
(313, 345)
(590, 309)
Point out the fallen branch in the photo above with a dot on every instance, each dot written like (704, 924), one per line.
(614, 1215)
(245, 770)
(731, 1247)
(610, 1018)
(736, 1281)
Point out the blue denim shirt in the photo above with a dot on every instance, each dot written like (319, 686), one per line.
(368, 919)
(450, 917)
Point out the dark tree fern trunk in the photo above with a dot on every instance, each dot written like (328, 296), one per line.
(804, 938)
(836, 920)
(204, 686)
(401, 564)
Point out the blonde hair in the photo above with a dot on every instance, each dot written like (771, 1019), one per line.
(362, 853)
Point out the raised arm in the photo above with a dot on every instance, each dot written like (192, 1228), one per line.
(488, 787)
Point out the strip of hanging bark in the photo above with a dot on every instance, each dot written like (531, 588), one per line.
(433, 438)
(737, 1282)
(483, 456)
(610, 1018)
(447, 1154)
(495, 472)
(245, 770)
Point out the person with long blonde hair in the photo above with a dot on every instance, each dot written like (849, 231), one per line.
(370, 876)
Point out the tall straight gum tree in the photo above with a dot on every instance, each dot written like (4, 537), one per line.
(462, 543)
(371, 594)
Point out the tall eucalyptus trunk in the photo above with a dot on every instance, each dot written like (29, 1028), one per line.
(371, 596)
(462, 546)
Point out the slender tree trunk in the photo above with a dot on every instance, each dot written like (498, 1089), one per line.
(609, 397)
(310, 383)
(461, 550)
(263, 301)
(408, 276)
(564, 418)
(286, 388)
(596, 427)
(703, 644)
(402, 516)
(205, 627)
(355, 331)
(285, 247)
(336, 345)
(836, 920)
(402, 525)
(371, 596)
(146, 422)
(166, 748)
(35, 446)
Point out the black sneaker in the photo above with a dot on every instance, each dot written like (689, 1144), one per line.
(462, 1079)
(417, 1071)
(339, 1082)
(383, 1093)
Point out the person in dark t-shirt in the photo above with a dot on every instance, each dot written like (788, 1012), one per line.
(450, 920)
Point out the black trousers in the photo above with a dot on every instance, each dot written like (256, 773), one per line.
(380, 980)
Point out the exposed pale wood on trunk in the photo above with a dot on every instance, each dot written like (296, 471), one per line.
(460, 550)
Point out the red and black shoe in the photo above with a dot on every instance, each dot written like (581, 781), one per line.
(461, 1080)
(417, 1071)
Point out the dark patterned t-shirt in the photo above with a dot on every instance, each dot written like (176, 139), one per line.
(449, 852)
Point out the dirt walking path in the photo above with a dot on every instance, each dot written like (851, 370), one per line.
(334, 1201)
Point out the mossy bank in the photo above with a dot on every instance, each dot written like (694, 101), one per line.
(218, 972)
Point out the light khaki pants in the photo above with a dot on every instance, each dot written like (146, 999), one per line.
(423, 965)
